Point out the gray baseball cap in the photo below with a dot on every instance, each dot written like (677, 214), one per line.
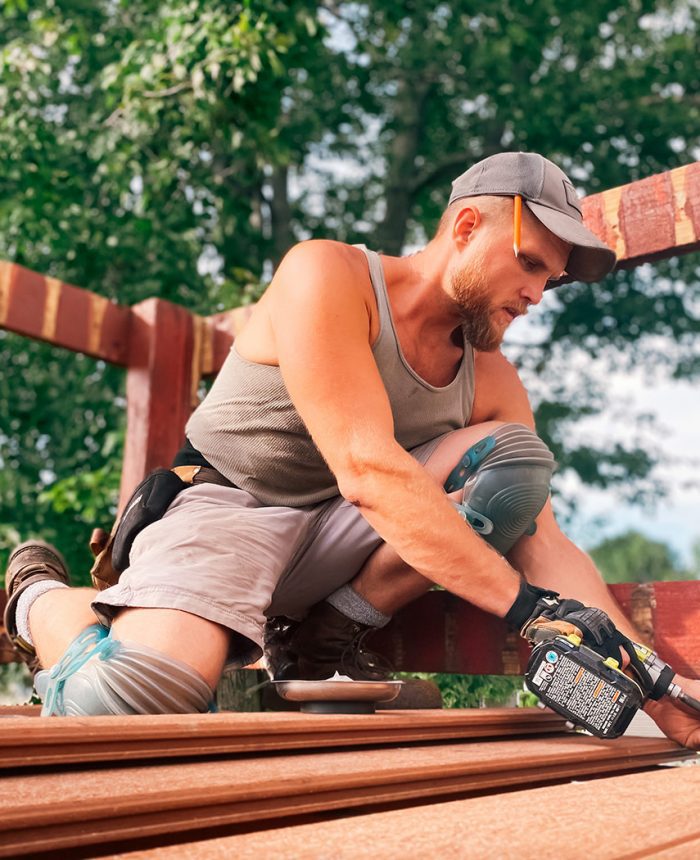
(549, 195)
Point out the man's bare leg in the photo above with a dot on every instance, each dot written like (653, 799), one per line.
(201, 644)
(58, 616)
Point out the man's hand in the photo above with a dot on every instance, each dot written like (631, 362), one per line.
(542, 615)
(677, 721)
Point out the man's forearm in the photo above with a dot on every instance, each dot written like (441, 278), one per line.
(553, 561)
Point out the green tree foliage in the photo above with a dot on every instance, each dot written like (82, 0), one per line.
(15, 684)
(478, 691)
(137, 141)
(633, 557)
(60, 446)
(695, 564)
(176, 149)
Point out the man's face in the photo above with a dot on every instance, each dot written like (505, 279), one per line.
(493, 287)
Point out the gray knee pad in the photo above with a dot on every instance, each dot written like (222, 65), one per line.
(509, 486)
(99, 675)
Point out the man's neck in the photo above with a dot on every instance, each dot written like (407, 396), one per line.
(417, 291)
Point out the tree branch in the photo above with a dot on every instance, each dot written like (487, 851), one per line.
(170, 91)
(434, 172)
(430, 174)
(334, 10)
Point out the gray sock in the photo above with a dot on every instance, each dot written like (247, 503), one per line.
(352, 604)
(24, 604)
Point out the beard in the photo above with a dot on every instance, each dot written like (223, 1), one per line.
(471, 295)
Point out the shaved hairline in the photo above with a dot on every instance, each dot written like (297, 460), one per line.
(494, 208)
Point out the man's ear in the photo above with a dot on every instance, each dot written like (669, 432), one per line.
(466, 221)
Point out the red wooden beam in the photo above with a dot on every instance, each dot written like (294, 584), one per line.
(455, 636)
(646, 220)
(668, 616)
(159, 388)
(442, 633)
(51, 310)
(650, 219)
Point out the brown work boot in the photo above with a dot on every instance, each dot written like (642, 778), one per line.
(326, 642)
(30, 562)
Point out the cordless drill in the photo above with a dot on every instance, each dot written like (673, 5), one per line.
(591, 690)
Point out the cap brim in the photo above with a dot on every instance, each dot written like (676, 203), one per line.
(590, 259)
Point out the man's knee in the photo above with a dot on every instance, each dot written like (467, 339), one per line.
(100, 675)
(508, 486)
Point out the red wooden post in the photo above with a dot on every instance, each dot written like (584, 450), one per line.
(158, 388)
(221, 331)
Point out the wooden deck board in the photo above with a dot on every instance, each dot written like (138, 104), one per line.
(630, 817)
(27, 741)
(81, 807)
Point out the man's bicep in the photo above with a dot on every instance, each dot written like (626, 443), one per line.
(321, 328)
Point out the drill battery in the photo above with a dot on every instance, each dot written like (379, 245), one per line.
(581, 685)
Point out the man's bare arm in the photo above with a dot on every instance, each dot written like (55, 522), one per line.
(550, 560)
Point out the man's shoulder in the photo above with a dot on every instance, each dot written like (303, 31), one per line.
(322, 271)
(499, 392)
(494, 363)
(324, 252)
(320, 276)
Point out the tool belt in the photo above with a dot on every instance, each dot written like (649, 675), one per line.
(148, 503)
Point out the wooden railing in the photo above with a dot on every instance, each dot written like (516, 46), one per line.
(166, 351)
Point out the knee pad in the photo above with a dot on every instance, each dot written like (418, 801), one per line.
(508, 486)
(100, 675)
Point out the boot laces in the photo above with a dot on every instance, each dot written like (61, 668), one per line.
(356, 659)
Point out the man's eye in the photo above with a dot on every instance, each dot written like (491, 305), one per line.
(527, 264)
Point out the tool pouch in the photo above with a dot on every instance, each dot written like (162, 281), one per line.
(148, 503)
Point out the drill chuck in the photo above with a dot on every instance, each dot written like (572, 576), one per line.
(662, 675)
(685, 698)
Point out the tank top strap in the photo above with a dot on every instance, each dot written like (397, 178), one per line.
(376, 275)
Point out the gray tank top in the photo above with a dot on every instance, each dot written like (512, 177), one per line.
(248, 428)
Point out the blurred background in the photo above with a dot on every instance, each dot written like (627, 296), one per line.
(178, 149)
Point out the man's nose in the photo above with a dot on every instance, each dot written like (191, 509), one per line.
(533, 292)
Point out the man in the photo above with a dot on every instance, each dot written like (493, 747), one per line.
(360, 387)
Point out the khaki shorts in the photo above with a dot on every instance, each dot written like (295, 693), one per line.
(220, 554)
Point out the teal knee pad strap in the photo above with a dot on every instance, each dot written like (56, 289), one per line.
(100, 675)
(509, 487)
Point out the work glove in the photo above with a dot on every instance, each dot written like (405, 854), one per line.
(591, 625)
